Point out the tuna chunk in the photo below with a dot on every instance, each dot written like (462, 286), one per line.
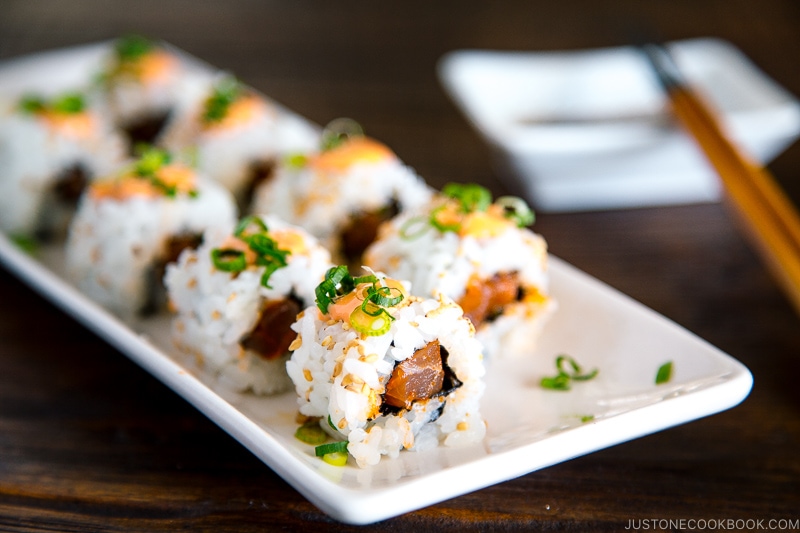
(419, 377)
(485, 299)
(273, 334)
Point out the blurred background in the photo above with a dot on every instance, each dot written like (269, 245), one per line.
(130, 452)
(376, 61)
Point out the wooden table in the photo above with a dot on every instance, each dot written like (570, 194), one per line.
(90, 442)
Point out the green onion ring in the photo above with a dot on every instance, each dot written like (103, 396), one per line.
(311, 433)
(369, 324)
(246, 222)
(472, 197)
(228, 260)
(576, 369)
(407, 231)
(332, 447)
(382, 296)
(517, 210)
(438, 225)
(369, 278)
(338, 131)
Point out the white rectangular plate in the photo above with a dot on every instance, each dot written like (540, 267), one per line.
(528, 427)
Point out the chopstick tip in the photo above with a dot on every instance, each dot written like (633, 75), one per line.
(660, 59)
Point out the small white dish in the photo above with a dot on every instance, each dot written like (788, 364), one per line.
(591, 129)
(528, 427)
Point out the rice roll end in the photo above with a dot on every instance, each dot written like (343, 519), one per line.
(342, 192)
(385, 370)
(50, 149)
(237, 296)
(142, 83)
(481, 254)
(130, 226)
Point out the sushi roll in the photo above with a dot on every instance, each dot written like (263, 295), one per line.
(50, 149)
(479, 253)
(342, 192)
(382, 370)
(129, 227)
(143, 83)
(236, 297)
(237, 136)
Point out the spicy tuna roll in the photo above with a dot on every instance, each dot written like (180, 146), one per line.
(143, 82)
(342, 192)
(481, 255)
(237, 296)
(50, 148)
(382, 370)
(130, 226)
(237, 135)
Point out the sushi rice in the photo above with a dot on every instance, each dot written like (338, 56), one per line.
(342, 376)
(39, 148)
(441, 260)
(325, 191)
(142, 80)
(232, 130)
(217, 309)
(122, 230)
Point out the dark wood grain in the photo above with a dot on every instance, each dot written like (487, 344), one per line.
(90, 442)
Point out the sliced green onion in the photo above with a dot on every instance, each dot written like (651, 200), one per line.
(311, 433)
(32, 104)
(517, 210)
(266, 250)
(413, 228)
(254, 232)
(333, 447)
(264, 245)
(228, 260)
(269, 270)
(562, 380)
(339, 282)
(69, 104)
(326, 291)
(664, 373)
(369, 278)
(330, 423)
(472, 197)
(132, 47)
(369, 324)
(26, 243)
(336, 283)
(245, 223)
(151, 160)
(587, 418)
(296, 160)
(377, 299)
(382, 296)
(370, 309)
(335, 458)
(338, 131)
(455, 227)
(557, 382)
(576, 369)
(225, 93)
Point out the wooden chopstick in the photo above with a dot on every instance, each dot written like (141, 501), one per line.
(772, 219)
